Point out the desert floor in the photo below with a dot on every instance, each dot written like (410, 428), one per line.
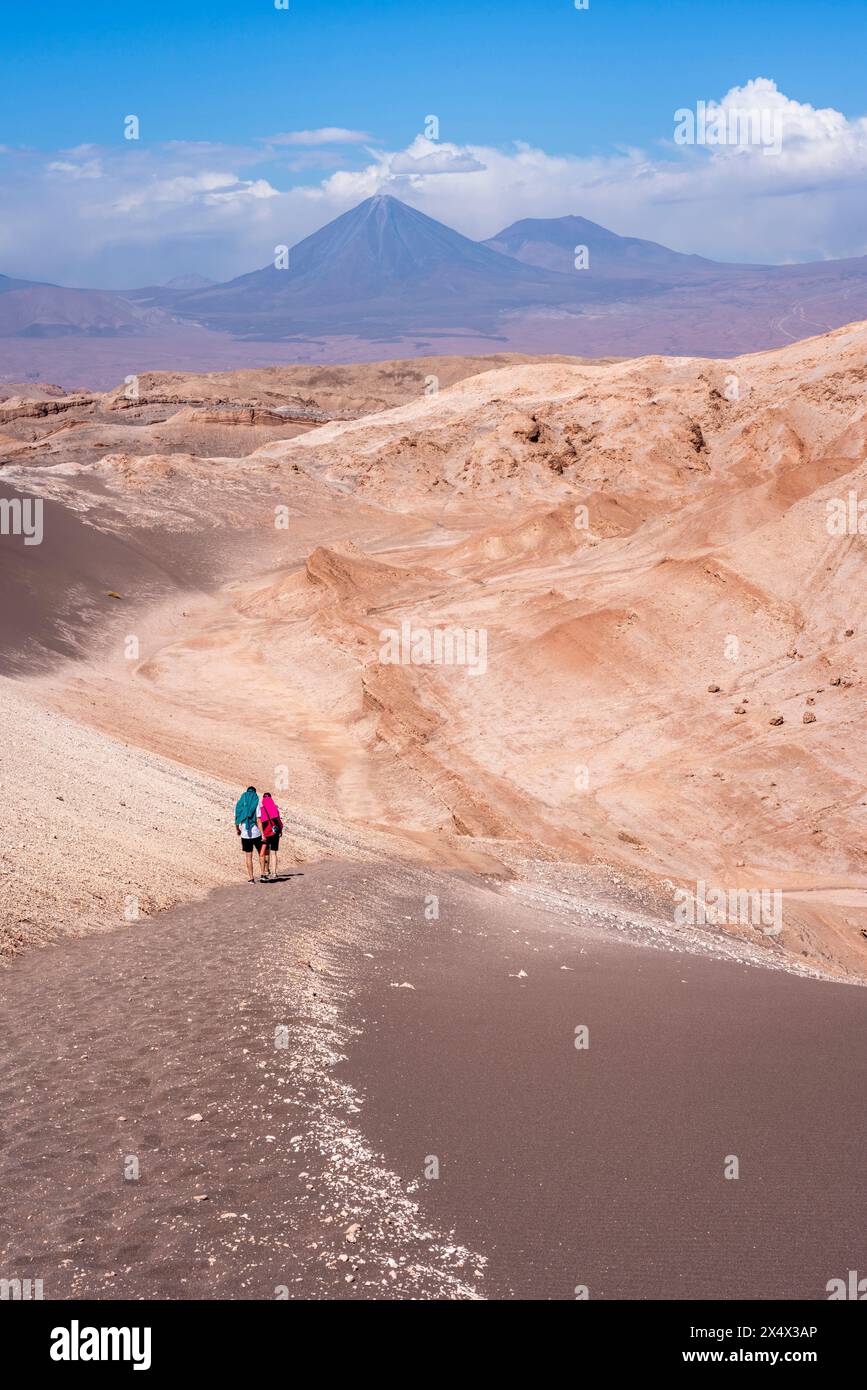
(477, 863)
(163, 1139)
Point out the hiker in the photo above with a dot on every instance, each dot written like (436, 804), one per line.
(271, 827)
(247, 826)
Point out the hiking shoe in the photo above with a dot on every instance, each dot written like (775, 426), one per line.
(263, 878)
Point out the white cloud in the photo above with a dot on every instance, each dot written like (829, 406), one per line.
(427, 157)
(184, 188)
(326, 135)
(88, 169)
(124, 215)
(801, 123)
(243, 191)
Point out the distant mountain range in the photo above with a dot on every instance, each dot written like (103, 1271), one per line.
(386, 273)
(551, 243)
(30, 309)
(382, 268)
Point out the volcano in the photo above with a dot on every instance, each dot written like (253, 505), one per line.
(381, 268)
(550, 243)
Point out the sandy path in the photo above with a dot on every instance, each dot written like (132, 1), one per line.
(557, 1167)
(113, 1047)
(604, 1167)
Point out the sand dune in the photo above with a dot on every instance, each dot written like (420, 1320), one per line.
(645, 546)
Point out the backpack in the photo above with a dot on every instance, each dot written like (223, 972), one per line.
(270, 816)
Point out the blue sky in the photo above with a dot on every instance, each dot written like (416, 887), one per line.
(539, 71)
(591, 93)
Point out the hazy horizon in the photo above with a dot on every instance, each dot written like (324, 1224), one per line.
(196, 276)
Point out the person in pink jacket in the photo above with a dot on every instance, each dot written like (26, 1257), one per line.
(271, 825)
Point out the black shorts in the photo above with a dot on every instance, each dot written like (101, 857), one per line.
(248, 845)
(273, 842)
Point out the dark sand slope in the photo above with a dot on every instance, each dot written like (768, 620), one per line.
(55, 591)
(558, 1167)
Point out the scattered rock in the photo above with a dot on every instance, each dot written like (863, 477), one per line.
(713, 689)
(809, 717)
(777, 719)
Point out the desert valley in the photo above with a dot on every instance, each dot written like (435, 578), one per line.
(433, 675)
(543, 658)
(674, 639)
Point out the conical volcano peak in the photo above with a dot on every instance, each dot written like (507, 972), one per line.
(381, 205)
(383, 267)
(387, 211)
(384, 242)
